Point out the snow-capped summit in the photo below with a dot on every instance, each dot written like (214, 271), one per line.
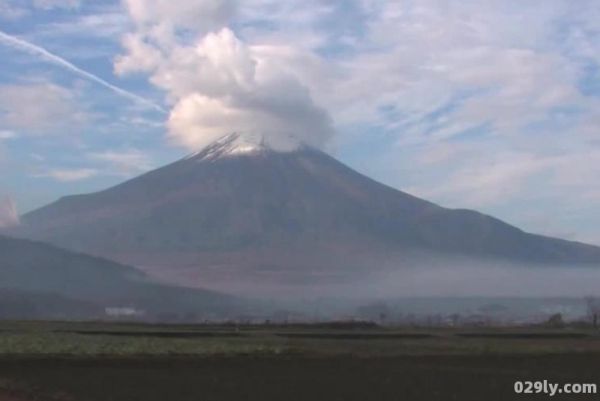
(239, 144)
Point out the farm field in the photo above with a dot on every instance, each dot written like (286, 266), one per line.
(97, 361)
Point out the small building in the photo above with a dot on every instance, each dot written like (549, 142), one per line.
(120, 312)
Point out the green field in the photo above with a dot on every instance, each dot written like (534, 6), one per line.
(99, 361)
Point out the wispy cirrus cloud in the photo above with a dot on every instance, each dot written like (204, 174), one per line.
(124, 162)
(7, 134)
(40, 108)
(15, 9)
(109, 25)
(68, 174)
(12, 10)
(45, 55)
(51, 4)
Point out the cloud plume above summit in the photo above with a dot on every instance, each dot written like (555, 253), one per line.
(216, 82)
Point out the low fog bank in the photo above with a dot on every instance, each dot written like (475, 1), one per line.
(429, 311)
(413, 291)
(438, 292)
(427, 277)
(490, 280)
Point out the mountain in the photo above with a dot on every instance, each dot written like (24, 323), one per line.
(30, 305)
(39, 280)
(240, 210)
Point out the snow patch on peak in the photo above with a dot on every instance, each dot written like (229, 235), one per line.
(237, 144)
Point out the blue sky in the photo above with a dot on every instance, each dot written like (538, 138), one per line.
(492, 105)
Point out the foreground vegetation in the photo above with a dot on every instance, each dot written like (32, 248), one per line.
(88, 339)
(77, 361)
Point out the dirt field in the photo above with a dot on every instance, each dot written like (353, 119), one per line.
(292, 378)
(101, 363)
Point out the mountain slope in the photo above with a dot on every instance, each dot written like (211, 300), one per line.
(238, 205)
(43, 272)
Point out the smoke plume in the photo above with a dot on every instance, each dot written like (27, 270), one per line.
(9, 217)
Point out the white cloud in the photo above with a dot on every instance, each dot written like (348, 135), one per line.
(68, 175)
(218, 84)
(231, 88)
(40, 108)
(11, 11)
(194, 14)
(127, 162)
(484, 182)
(108, 24)
(51, 4)
(7, 134)
(418, 57)
(15, 9)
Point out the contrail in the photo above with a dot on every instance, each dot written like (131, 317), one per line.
(44, 54)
